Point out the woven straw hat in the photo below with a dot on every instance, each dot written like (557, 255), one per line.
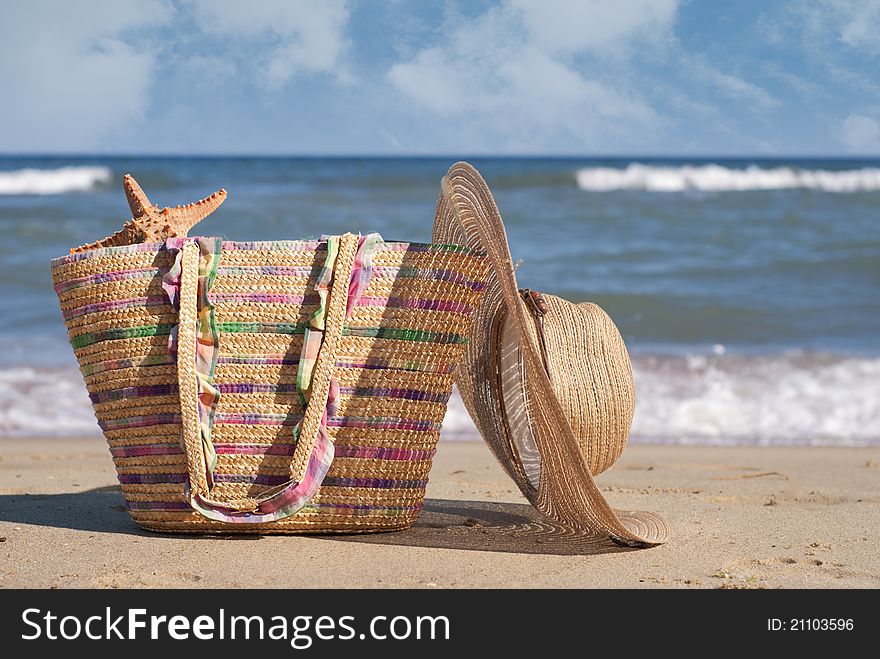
(547, 382)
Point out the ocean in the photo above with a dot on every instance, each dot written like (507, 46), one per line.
(748, 291)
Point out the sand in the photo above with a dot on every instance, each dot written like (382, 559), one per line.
(744, 517)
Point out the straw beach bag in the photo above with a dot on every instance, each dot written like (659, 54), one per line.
(292, 386)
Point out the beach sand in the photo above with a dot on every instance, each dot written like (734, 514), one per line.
(744, 517)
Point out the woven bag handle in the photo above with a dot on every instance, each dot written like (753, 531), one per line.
(319, 391)
(187, 383)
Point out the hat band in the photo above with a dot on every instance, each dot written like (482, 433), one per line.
(537, 306)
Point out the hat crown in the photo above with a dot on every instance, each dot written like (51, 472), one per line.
(589, 371)
(592, 378)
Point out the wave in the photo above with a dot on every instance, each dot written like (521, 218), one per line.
(794, 398)
(53, 181)
(717, 178)
(43, 402)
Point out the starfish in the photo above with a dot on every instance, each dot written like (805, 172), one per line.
(149, 224)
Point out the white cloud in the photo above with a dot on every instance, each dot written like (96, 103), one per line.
(825, 24)
(573, 25)
(863, 84)
(858, 22)
(73, 73)
(509, 72)
(431, 80)
(840, 38)
(799, 84)
(860, 134)
(733, 86)
(303, 36)
(203, 71)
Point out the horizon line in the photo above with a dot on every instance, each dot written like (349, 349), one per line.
(420, 156)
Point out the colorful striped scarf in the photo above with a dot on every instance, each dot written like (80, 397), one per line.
(289, 497)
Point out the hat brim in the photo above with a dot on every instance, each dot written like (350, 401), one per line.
(467, 215)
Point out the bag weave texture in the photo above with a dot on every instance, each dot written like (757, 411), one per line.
(391, 373)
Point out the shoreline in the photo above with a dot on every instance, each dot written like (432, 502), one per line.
(694, 398)
(741, 517)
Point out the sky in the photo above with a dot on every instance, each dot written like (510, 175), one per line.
(409, 77)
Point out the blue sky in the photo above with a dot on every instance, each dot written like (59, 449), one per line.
(663, 77)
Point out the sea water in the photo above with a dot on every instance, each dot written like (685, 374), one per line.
(748, 291)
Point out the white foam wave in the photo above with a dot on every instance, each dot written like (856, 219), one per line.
(45, 402)
(783, 399)
(52, 181)
(716, 178)
(720, 398)
(802, 399)
(457, 424)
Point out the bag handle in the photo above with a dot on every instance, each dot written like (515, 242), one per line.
(314, 449)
